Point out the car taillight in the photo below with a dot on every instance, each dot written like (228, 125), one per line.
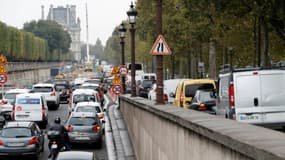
(101, 115)
(52, 94)
(13, 113)
(43, 112)
(96, 128)
(4, 102)
(165, 98)
(34, 140)
(231, 95)
(1, 143)
(202, 107)
(69, 128)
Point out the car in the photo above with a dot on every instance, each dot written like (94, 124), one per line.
(48, 90)
(76, 155)
(144, 87)
(63, 87)
(186, 89)
(30, 107)
(205, 101)
(93, 86)
(169, 88)
(94, 107)
(252, 95)
(85, 127)
(82, 95)
(152, 94)
(21, 139)
(6, 104)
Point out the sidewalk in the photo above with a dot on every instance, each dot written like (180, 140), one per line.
(118, 143)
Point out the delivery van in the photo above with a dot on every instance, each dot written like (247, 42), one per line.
(255, 96)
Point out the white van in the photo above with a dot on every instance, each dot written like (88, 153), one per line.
(253, 96)
(30, 107)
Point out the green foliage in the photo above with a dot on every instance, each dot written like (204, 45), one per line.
(58, 39)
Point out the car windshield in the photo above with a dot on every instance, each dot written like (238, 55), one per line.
(147, 83)
(42, 89)
(191, 89)
(88, 109)
(16, 132)
(28, 101)
(82, 121)
(83, 98)
(206, 96)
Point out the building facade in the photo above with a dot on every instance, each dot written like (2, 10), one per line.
(66, 16)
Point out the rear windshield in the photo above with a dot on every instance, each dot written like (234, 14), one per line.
(42, 89)
(28, 101)
(16, 132)
(206, 96)
(10, 95)
(83, 98)
(88, 109)
(147, 83)
(82, 121)
(191, 89)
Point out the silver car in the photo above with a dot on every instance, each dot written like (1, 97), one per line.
(85, 127)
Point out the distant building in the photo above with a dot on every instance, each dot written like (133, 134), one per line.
(67, 18)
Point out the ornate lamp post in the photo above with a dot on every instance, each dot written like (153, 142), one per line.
(132, 14)
(122, 31)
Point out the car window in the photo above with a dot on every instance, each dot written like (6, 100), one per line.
(192, 88)
(147, 83)
(82, 121)
(83, 98)
(16, 132)
(88, 109)
(206, 96)
(10, 95)
(28, 101)
(42, 89)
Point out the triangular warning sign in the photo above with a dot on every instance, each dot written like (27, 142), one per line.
(160, 47)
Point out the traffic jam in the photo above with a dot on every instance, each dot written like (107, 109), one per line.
(65, 113)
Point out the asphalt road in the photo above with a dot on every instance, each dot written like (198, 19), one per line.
(63, 113)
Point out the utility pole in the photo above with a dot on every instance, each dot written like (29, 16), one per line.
(159, 58)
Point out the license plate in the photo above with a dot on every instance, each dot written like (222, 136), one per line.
(249, 117)
(16, 144)
(82, 138)
(54, 146)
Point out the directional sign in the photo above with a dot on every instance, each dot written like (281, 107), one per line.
(160, 47)
(123, 70)
(116, 89)
(3, 78)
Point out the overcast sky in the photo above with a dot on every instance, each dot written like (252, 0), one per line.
(103, 15)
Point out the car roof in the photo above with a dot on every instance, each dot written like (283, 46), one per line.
(18, 90)
(18, 124)
(44, 85)
(83, 114)
(90, 84)
(75, 155)
(88, 104)
(29, 95)
(83, 91)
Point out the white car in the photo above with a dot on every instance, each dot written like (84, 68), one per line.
(91, 107)
(49, 92)
(82, 95)
(30, 107)
(8, 100)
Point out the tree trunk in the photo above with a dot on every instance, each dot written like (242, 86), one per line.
(266, 43)
(212, 59)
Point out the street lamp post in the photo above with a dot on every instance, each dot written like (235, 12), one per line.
(132, 13)
(231, 52)
(122, 31)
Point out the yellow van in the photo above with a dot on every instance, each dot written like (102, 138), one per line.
(186, 89)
